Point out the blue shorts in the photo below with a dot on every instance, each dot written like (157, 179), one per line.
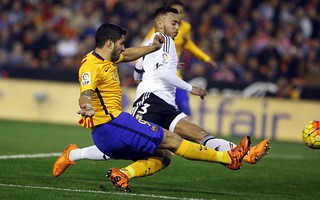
(182, 101)
(127, 138)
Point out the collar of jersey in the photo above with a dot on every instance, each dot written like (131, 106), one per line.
(97, 55)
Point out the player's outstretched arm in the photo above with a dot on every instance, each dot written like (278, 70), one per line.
(172, 78)
(212, 64)
(133, 53)
(198, 91)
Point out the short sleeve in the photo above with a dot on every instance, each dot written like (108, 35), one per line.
(88, 78)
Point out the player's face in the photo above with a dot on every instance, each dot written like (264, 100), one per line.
(118, 49)
(171, 24)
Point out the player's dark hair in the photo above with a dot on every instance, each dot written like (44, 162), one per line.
(108, 32)
(177, 3)
(164, 10)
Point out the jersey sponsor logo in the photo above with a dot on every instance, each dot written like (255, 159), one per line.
(86, 78)
(165, 58)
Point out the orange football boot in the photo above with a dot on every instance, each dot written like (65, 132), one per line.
(63, 162)
(257, 152)
(118, 179)
(238, 153)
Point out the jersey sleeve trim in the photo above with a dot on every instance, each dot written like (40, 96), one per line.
(166, 45)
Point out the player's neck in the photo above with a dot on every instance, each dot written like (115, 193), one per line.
(159, 30)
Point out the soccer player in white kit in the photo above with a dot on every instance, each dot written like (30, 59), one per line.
(155, 99)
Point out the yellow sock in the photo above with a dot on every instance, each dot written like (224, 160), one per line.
(194, 151)
(143, 167)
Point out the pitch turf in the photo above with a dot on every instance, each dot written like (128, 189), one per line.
(290, 171)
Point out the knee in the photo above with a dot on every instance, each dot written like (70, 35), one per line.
(171, 141)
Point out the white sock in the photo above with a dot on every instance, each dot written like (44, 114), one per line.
(217, 144)
(90, 153)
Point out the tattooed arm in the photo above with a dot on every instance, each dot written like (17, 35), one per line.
(85, 104)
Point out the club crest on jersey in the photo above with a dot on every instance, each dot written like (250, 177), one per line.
(86, 78)
(165, 58)
(154, 128)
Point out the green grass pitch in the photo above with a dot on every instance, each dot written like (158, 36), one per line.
(290, 171)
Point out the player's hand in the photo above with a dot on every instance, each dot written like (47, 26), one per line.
(198, 91)
(212, 64)
(158, 40)
(86, 110)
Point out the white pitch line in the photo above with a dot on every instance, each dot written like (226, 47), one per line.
(97, 192)
(46, 155)
(39, 155)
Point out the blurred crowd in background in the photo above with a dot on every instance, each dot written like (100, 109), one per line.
(251, 40)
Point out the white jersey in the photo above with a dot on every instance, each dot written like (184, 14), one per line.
(160, 72)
